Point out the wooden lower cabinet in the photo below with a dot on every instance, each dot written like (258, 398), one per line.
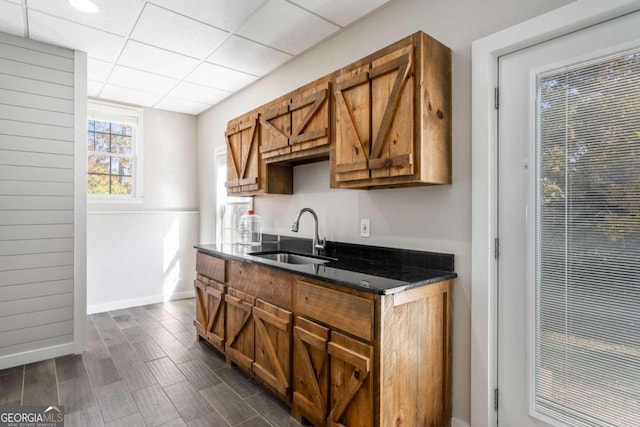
(259, 340)
(332, 371)
(240, 329)
(332, 377)
(311, 371)
(339, 357)
(210, 310)
(272, 363)
(351, 390)
(387, 365)
(415, 357)
(200, 287)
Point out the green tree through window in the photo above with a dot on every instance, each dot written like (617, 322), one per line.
(588, 259)
(111, 157)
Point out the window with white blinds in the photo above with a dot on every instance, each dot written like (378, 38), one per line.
(587, 327)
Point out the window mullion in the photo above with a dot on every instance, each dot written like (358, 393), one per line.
(110, 131)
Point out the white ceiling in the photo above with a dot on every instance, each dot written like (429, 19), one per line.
(181, 55)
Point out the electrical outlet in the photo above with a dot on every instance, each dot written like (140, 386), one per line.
(365, 228)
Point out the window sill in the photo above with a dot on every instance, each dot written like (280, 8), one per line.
(113, 200)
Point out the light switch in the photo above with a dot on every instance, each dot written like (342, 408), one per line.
(365, 228)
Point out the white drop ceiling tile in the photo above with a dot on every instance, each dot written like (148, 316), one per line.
(17, 1)
(181, 106)
(340, 12)
(247, 56)
(287, 27)
(197, 93)
(160, 27)
(155, 60)
(115, 16)
(11, 19)
(141, 80)
(224, 14)
(220, 77)
(94, 88)
(129, 96)
(98, 70)
(98, 44)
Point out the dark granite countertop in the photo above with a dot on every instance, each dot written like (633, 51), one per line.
(373, 269)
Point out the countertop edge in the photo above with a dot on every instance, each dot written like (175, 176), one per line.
(390, 291)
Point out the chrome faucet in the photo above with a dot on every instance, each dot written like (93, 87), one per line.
(317, 243)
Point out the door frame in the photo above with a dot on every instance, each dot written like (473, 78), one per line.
(484, 223)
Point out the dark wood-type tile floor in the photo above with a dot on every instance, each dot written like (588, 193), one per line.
(144, 367)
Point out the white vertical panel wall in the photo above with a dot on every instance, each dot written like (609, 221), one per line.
(42, 200)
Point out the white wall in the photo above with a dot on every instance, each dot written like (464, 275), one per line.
(42, 229)
(427, 218)
(143, 253)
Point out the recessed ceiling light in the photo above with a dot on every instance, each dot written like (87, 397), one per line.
(85, 6)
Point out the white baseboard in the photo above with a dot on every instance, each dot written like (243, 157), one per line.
(36, 355)
(457, 422)
(118, 305)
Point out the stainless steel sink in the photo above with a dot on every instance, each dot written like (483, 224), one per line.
(291, 258)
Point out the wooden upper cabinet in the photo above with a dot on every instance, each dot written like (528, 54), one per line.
(353, 118)
(383, 121)
(393, 117)
(310, 123)
(242, 155)
(392, 94)
(296, 127)
(276, 130)
(247, 173)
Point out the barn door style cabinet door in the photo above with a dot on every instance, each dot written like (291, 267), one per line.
(297, 126)
(351, 363)
(242, 155)
(240, 329)
(209, 321)
(275, 123)
(247, 174)
(272, 363)
(202, 314)
(333, 371)
(392, 114)
(210, 289)
(332, 378)
(311, 375)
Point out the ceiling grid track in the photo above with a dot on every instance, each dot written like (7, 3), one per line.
(182, 56)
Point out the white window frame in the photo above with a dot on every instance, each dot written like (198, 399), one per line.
(572, 17)
(100, 110)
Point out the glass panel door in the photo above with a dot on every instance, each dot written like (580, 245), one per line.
(587, 265)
